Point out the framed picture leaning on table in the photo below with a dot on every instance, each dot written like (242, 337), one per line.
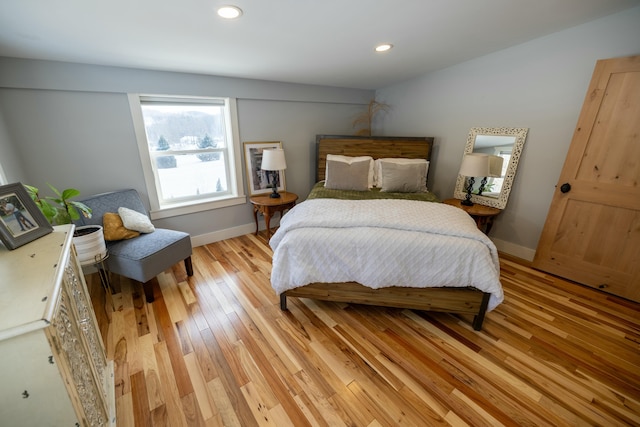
(21, 221)
(258, 180)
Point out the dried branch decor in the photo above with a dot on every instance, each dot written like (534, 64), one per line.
(366, 118)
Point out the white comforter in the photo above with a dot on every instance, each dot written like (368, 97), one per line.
(380, 243)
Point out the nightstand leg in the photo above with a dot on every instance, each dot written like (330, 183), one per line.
(488, 225)
(255, 217)
(267, 220)
(485, 223)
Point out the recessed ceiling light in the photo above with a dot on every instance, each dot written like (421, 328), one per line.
(229, 12)
(383, 47)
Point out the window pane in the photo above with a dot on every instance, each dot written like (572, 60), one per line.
(174, 129)
(191, 176)
(183, 126)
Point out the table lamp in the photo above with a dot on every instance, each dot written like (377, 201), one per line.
(273, 160)
(473, 165)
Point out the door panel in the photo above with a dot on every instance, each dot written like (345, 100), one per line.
(592, 232)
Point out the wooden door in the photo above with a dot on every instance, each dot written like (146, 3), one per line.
(592, 231)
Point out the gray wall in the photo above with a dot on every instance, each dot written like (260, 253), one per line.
(70, 125)
(539, 85)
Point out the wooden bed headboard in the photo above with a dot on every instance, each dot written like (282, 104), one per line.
(375, 146)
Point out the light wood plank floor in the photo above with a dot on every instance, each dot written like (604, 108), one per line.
(216, 350)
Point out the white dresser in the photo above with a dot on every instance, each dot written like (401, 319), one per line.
(53, 368)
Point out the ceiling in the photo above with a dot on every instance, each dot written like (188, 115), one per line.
(321, 42)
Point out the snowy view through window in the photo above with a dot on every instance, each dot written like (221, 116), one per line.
(188, 148)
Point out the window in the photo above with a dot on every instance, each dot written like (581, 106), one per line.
(190, 152)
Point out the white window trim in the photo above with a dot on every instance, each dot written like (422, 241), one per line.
(236, 196)
(3, 177)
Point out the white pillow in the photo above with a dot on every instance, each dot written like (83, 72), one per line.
(349, 160)
(134, 220)
(377, 179)
(407, 176)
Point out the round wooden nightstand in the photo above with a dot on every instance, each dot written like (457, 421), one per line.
(268, 206)
(483, 215)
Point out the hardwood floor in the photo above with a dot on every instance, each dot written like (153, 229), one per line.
(216, 350)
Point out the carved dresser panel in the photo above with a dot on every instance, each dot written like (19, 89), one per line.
(52, 359)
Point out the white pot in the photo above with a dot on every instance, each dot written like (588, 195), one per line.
(91, 247)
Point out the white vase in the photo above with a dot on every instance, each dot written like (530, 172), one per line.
(91, 247)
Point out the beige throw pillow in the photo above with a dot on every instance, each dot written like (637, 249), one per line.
(348, 159)
(403, 178)
(347, 176)
(377, 178)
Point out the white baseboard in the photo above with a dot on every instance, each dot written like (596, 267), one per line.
(515, 250)
(228, 233)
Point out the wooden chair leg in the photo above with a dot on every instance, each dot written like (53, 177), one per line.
(148, 291)
(188, 266)
(148, 286)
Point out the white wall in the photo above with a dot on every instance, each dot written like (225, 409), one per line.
(539, 85)
(71, 126)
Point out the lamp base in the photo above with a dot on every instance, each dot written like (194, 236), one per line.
(467, 201)
(482, 184)
(275, 194)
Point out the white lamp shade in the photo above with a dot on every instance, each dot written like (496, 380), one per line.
(273, 159)
(475, 164)
(495, 166)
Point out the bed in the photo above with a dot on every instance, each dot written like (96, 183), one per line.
(380, 246)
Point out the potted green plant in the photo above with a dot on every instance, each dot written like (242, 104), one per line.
(88, 239)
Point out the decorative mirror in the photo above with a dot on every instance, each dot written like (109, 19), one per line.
(504, 142)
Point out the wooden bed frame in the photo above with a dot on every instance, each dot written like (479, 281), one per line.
(466, 300)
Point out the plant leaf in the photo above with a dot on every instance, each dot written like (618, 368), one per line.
(62, 216)
(84, 209)
(57, 201)
(72, 213)
(55, 190)
(70, 193)
(48, 210)
(32, 191)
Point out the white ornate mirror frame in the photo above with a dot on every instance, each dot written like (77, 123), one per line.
(500, 200)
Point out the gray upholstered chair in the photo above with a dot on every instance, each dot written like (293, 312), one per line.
(144, 257)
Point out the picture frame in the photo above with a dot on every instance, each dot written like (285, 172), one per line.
(259, 181)
(21, 221)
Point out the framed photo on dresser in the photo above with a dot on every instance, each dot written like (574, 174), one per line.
(21, 221)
